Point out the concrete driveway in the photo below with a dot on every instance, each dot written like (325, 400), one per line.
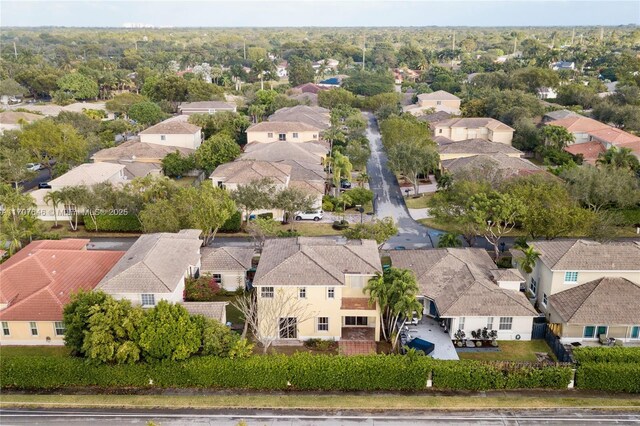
(388, 197)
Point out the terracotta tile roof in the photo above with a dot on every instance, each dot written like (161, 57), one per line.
(315, 261)
(310, 88)
(359, 303)
(474, 123)
(155, 263)
(438, 95)
(171, 127)
(226, 259)
(282, 126)
(578, 124)
(473, 146)
(583, 255)
(66, 244)
(37, 284)
(461, 282)
(589, 150)
(244, 171)
(614, 136)
(609, 300)
(140, 151)
(213, 310)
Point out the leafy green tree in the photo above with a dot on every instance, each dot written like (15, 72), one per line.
(599, 188)
(167, 332)
(300, 71)
(231, 123)
(74, 198)
(367, 83)
(577, 94)
(403, 130)
(334, 97)
(175, 164)
(449, 239)
(78, 86)
(620, 158)
(146, 113)
(160, 216)
(557, 137)
(121, 103)
(209, 209)
(291, 200)
(10, 87)
(55, 198)
(530, 79)
(75, 316)
(18, 222)
(13, 165)
(199, 90)
(413, 159)
(170, 88)
(380, 230)
(341, 167)
(85, 125)
(360, 196)
(216, 150)
(219, 340)
(255, 195)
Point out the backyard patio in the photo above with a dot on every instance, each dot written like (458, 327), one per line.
(428, 329)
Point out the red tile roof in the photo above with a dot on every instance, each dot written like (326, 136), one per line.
(579, 124)
(589, 150)
(614, 136)
(38, 281)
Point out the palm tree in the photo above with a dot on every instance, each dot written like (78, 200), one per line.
(528, 259)
(449, 240)
(333, 134)
(341, 167)
(74, 197)
(54, 198)
(362, 178)
(620, 158)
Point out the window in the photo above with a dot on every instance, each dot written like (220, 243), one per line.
(302, 292)
(331, 293)
(34, 328)
(363, 321)
(461, 323)
(323, 323)
(439, 130)
(589, 332)
(295, 135)
(602, 330)
(5, 329)
(635, 331)
(148, 299)
(570, 277)
(490, 323)
(288, 328)
(163, 138)
(60, 329)
(356, 281)
(544, 299)
(282, 136)
(266, 292)
(438, 102)
(217, 278)
(506, 323)
(315, 136)
(533, 286)
(269, 135)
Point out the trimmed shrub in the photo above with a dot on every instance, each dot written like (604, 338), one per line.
(267, 215)
(607, 354)
(609, 376)
(233, 224)
(113, 223)
(202, 289)
(340, 225)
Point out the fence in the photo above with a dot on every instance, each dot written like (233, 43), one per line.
(539, 331)
(554, 343)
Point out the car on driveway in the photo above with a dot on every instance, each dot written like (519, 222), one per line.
(314, 215)
(34, 167)
(345, 184)
(44, 185)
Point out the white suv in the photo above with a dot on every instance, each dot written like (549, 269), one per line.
(314, 215)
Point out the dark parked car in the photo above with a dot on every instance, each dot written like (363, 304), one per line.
(44, 185)
(345, 184)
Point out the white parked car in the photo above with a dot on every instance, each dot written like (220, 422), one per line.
(314, 215)
(34, 167)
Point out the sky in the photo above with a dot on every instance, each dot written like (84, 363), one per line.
(319, 13)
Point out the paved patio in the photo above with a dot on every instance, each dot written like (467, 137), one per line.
(428, 329)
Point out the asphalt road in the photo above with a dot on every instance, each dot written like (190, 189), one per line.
(43, 176)
(293, 417)
(389, 200)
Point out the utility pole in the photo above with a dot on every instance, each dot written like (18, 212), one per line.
(364, 48)
(15, 50)
(515, 44)
(573, 36)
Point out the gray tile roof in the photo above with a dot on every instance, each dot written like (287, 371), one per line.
(438, 95)
(217, 105)
(213, 310)
(314, 116)
(171, 126)
(435, 118)
(474, 146)
(583, 255)
(610, 300)
(154, 263)
(242, 172)
(282, 126)
(510, 274)
(461, 282)
(140, 151)
(474, 123)
(308, 152)
(315, 261)
(226, 259)
(507, 166)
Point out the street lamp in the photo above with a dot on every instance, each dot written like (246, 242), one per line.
(361, 210)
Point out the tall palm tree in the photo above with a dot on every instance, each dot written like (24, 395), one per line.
(362, 178)
(449, 240)
(620, 158)
(54, 198)
(528, 259)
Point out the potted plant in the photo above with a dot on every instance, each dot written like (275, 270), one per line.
(459, 336)
(493, 334)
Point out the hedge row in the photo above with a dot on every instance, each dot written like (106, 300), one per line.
(607, 354)
(301, 372)
(113, 223)
(471, 375)
(622, 377)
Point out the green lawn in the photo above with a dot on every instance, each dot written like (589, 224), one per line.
(419, 202)
(57, 351)
(185, 181)
(234, 316)
(511, 350)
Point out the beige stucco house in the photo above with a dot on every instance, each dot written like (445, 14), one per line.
(312, 115)
(566, 264)
(464, 288)
(175, 131)
(280, 131)
(328, 277)
(459, 129)
(206, 107)
(155, 268)
(38, 281)
(227, 266)
(439, 100)
(607, 307)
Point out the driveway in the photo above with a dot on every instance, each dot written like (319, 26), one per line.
(388, 197)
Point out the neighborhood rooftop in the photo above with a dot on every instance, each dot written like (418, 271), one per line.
(172, 126)
(473, 146)
(226, 258)
(136, 150)
(87, 174)
(572, 255)
(474, 123)
(282, 126)
(245, 171)
(438, 95)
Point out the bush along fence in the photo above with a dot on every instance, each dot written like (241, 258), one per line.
(608, 369)
(279, 372)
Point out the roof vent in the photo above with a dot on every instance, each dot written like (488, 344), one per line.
(53, 273)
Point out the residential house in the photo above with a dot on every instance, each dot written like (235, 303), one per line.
(317, 117)
(52, 110)
(304, 98)
(307, 152)
(607, 307)
(565, 264)
(458, 129)
(449, 149)
(498, 165)
(579, 126)
(175, 131)
(589, 151)
(547, 93)
(155, 268)
(328, 276)
(281, 131)
(39, 280)
(563, 65)
(438, 101)
(282, 69)
(211, 310)
(558, 115)
(139, 158)
(464, 288)
(309, 88)
(87, 174)
(227, 266)
(205, 107)
(13, 120)
(434, 118)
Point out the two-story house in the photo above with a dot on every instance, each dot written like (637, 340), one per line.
(327, 278)
(155, 268)
(312, 115)
(459, 129)
(175, 131)
(280, 131)
(439, 100)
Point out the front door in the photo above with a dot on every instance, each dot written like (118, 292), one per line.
(288, 328)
